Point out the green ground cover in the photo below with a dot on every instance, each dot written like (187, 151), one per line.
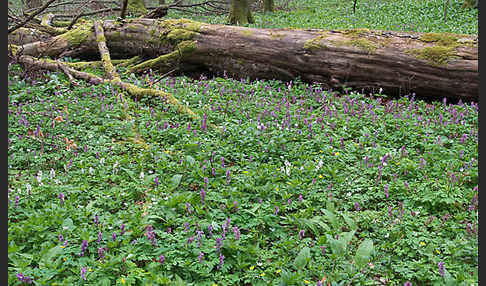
(278, 184)
(391, 15)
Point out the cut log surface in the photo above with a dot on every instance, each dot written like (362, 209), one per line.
(430, 65)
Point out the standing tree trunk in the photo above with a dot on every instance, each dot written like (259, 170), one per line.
(240, 13)
(136, 8)
(268, 6)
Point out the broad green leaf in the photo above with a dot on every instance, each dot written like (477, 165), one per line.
(175, 181)
(363, 253)
(68, 224)
(48, 259)
(350, 222)
(302, 258)
(329, 215)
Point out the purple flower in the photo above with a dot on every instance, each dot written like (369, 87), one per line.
(386, 191)
(61, 198)
(199, 236)
(188, 208)
(356, 206)
(83, 273)
(228, 177)
(24, 279)
(122, 229)
(202, 194)
(101, 252)
(96, 220)
(221, 261)
(113, 236)
(156, 181)
(235, 205)
(301, 234)
(190, 240)
(100, 236)
(162, 259)
(219, 243)
(61, 238)
(319, 283)
(151, 235)
(276, 210)
(17, 198)
(200, 257)
(289, 201)
(186, 226)
(65, 243)
(213, 171)
(236, 232)
(84, 246)
(222, 162)
(210, 230)
(323, 249)
(300, 198)
(441, 268)
(408, 283)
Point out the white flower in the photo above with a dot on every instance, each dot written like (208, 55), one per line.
(28, 187)
(102, 161)
(39, 177)
(52, 173)
(319, 164)
(349, 194)
(142, 175)
(387, 235)
(91, 170)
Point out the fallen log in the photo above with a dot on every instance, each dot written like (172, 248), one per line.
(430, 65)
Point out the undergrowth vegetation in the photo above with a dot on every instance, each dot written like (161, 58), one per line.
(389, 15)
(277, 184)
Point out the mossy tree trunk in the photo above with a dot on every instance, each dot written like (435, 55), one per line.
(30, 4)
(136, 7)
(268, 6)
(430, 65)
(240, 13)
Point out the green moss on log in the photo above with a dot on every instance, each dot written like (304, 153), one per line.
(180, 35)
(314, 44)
(442, 39)
(78, 35)
(436, 55)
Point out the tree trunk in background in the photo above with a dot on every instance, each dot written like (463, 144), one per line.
(400, 63)
(136, 7)
(240, 13)
(33, 3)
(268, 6)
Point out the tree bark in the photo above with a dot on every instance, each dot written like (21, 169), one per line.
(240, 13)
(268, 6)
(432, 66)
(136, 7)
(30, 4)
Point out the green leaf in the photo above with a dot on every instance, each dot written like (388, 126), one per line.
(329, 215)
(190, 160)
(68, 224)
(363, 253)
(302, 258)
(48, 259)
(175, 181)
(350, 222)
